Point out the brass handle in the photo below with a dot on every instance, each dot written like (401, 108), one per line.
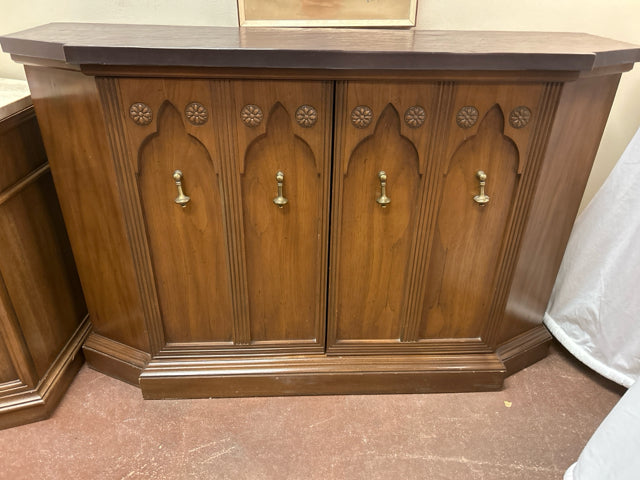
(383, 200)
(181, 199)
(481, 198)
(280, 201)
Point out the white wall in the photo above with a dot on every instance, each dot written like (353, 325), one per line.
(611, 18)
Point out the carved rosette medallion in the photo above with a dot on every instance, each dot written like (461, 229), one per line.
(361, 116)
(306, 116)
(467, 116)
(141, 113)
(519, 117)
(414, 116)
(196, 113)
(251, 115)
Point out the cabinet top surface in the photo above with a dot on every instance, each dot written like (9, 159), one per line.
(153, 45)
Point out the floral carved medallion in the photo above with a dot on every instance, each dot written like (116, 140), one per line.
(306, 116)
(467, 117)
(361, 116)
(519, 117)
(414, 116)
(196, 113)
(141, 113)
(251, 115)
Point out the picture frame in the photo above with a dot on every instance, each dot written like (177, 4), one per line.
(327, 13)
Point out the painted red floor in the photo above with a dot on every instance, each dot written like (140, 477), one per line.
(533, 429)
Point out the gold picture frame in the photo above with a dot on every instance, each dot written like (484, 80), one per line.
(327, 13)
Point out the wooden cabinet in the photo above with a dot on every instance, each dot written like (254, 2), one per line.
(372, 212)
(42, 312)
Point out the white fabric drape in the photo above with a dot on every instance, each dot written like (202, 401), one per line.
(594, 312)
(594, 309)
(612, 453)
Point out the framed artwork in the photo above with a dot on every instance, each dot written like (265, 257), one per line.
(327, 13)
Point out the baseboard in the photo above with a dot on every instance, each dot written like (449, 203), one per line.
(525, 349)
(33, 404)
(319, 375)
(114, 358)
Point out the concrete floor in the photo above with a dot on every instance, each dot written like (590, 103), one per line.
(533, 429)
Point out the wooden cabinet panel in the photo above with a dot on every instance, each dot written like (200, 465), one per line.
(186, 244)
(283, 127)
(7, 372)
(469, 236)
(381, 128)
(501, 130)
(42, 284)
(269, 262)
(23, 145)
(43, 318)
(83, 172)
(433, 266)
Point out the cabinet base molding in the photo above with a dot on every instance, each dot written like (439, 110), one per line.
(320, 375)
(28, 405)
(525, 349)
(114, 358)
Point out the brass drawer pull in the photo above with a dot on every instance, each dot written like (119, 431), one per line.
(481, 198)
(181, 199)
(383, 200)
(280, 201)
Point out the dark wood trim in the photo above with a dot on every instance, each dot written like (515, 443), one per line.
(423, 346)
(418, 76)
(38, 403)
(320, 375)
(114, 358)
(525, 349)
(336, 49)
(16, 119)
(43, 62)
(13, 336)
(23, 183)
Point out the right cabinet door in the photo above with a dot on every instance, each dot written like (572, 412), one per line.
(431, 186)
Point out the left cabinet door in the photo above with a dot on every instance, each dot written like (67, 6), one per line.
(241, 263)
(172, 189)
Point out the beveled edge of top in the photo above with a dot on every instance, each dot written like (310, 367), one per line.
(324, 48)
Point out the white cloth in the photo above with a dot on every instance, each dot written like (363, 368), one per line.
(613, 452)
(594, 309)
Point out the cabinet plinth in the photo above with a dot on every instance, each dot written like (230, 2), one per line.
(249, 225)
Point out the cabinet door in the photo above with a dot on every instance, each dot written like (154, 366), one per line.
(427, 271)
(383, 135)
(280, 137)
(185, 272)
(494, 145)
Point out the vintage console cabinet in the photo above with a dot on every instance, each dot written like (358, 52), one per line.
(43, 317)
(267, 212)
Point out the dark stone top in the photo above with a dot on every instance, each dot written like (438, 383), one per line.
(326, 48)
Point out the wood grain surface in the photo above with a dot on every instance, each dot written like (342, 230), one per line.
(85, 181)
(78, 43)
(42, 311)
